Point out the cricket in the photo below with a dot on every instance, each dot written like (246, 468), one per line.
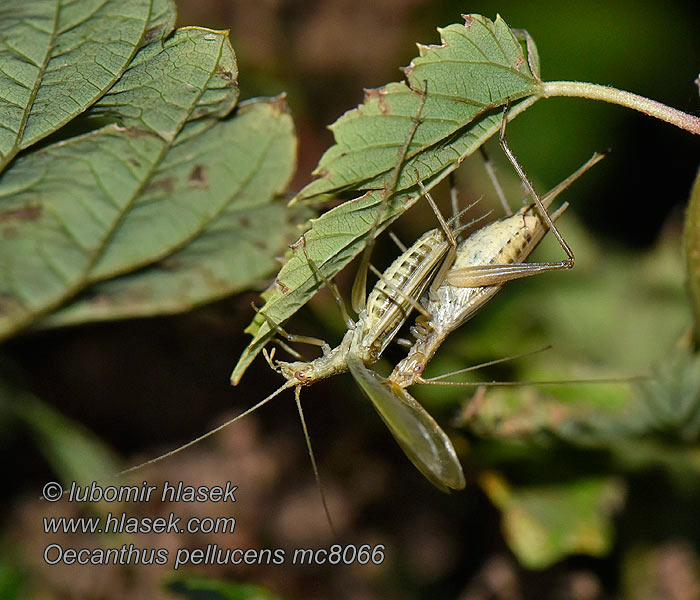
(446, 282)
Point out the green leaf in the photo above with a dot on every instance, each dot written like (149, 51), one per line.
(168, 207)
(199, 588)
(11, 582)
(57, 58)
(669, 401)
(543, 524)
(74, 453)
(478, 67)
(692, 250)
(101, 204)
(248, 160)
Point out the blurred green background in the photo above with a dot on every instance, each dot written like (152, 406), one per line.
(578, 492)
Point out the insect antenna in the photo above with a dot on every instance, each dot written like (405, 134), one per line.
(286, 385)
(314, 466)
(490, 363)
(438, 379)
(602, 380)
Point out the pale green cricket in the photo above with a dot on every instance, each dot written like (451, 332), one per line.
(501, 246)
(482, 264)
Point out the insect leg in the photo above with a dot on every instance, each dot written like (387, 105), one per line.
(452, 252)
(398, 242)
(484, 275)
(329, 284)
(568, 263)
(303, 339)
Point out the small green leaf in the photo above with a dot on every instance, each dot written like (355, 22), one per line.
(479, 67)
(692, 250)
(57, 58)
(669, 401)
(543, 524)
(11, 582)
(198, 588)
(74, 453)
(247, 160)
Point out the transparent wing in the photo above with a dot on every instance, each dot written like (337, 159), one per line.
(420, 437)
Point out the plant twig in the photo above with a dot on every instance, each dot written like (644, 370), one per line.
(610, 94)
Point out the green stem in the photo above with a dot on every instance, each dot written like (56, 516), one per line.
(609, 94)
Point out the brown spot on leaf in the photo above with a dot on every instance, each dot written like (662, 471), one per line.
(283, 288)
(100, 300)
(30, 212)
(134, 162)
(151, 34)
(244, 222)
(224, 74)
(378, 94)
(519, 61)
(279, 103)
(9, 303)
(166, 184)
(198, 177)
(169, 263)
(136, 132)
(298, 243)
(468, 20)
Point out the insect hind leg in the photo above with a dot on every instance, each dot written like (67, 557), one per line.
(329, 284)
(567, 263)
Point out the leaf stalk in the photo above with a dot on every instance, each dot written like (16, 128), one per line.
(606, 93)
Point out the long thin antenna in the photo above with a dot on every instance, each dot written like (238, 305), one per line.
(490, 363)
(297, 397)
(288, 384)
(631, 379)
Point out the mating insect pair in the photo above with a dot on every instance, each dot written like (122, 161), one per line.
(446, 283)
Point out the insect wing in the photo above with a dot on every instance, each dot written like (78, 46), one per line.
(420, 437)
